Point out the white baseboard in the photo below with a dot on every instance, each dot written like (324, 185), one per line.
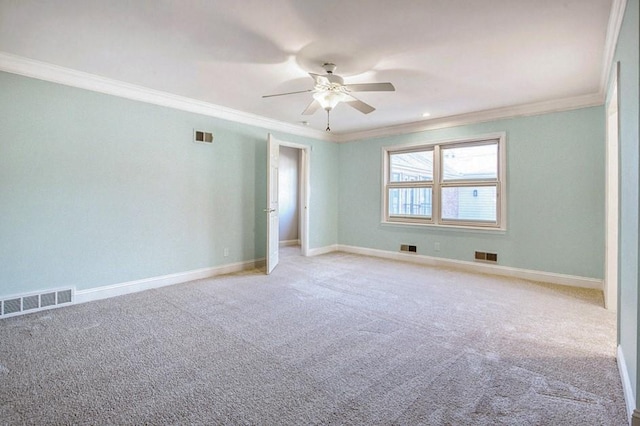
(97, 293)
(629, 398)
(483, 268)
(322, 250)
(289, 243)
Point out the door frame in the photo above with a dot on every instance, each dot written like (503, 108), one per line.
(612, 189)
(274, 143)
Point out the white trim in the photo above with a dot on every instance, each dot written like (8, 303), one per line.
(97, 293)
(322, 250)
(626, 383)
(545, 107)
(293, 145)
(612, 189)
(462, 140)
(69, 77)
(477, 229)
(289, 243)
(476, 267)
(613, 31)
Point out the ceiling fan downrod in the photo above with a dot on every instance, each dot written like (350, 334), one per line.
(328, 129)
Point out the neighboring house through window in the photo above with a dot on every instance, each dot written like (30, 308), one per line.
(448, 183)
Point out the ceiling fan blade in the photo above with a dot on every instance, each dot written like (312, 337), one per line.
(313, 107)
(288, 93)
(360, 106)
(371, 87)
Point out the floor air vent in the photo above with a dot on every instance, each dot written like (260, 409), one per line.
(487, 257)
(34, 302)
(409, 248)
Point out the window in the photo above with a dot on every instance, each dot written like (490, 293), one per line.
(449, 183)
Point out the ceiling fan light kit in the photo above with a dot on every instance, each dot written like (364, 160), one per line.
(329, 90)
(328, 99)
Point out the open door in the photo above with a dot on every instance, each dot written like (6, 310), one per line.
(273, 237)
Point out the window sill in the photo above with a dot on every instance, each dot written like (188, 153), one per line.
(466, 228)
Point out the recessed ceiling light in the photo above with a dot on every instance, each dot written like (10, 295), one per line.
(426, 114)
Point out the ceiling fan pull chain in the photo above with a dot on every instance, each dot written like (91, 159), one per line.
(328, 128)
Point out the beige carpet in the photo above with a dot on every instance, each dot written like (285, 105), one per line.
(333, 339)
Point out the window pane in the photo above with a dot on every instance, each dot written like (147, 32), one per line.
(410, 202)
(411, 166)
(470, 203)
(472, 162)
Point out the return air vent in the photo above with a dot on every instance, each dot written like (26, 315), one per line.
(409, 248)
(202, 137)
(34, 302)
(47, 299)
(30, 302)
(11, 306)
(487, 257)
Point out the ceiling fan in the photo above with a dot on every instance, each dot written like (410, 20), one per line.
(329, 90)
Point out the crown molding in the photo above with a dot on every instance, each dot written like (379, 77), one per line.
(557, 105)
(44, 71)
(613, 31)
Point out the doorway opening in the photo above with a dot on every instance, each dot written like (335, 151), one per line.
(288, 183)
(289, 197)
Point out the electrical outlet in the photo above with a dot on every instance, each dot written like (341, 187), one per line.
(436, 246)
(226, 251)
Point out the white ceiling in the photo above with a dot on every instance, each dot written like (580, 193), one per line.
(446, 57)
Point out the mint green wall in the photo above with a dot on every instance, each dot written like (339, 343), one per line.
(555, 186)
(628, 115)
(98, 190)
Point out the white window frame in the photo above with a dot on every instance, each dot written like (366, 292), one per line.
(438, 183)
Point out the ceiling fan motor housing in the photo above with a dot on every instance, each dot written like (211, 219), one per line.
(329, 67)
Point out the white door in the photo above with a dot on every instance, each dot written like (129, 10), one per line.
(273, 237)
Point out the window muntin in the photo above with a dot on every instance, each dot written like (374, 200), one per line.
(451, 183)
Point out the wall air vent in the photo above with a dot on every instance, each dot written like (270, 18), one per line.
(33, 302)
(202, 137)
(409, 248)
(486, 257)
